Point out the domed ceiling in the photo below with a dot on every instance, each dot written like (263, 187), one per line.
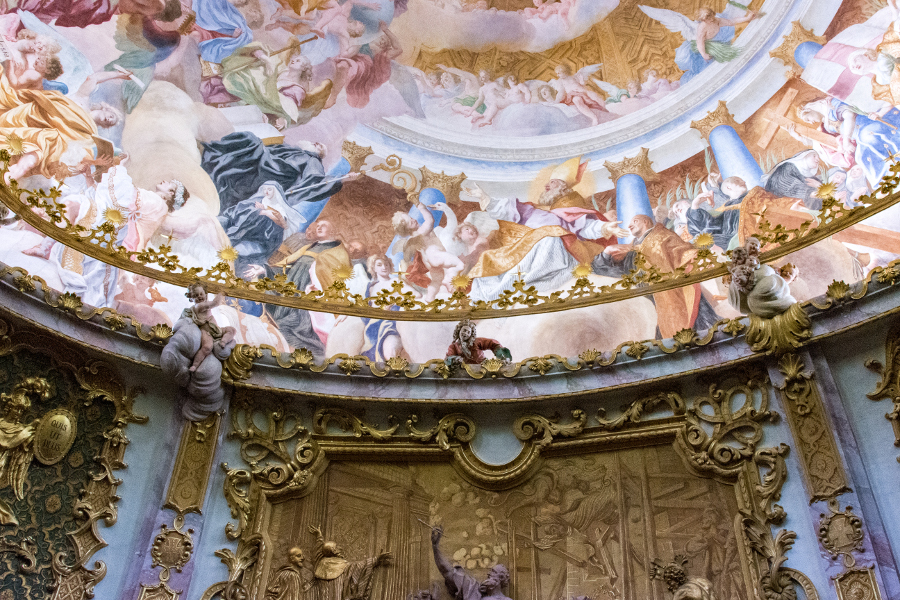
(571, 173)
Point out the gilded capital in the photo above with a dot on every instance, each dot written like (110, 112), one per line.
(449, 185)
(785, 52)
(720, 116)
(355, 154)
(636, 165)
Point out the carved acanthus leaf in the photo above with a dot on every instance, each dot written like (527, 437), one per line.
(637, 409)
(348, 422)
(452, 429)
(530, 427)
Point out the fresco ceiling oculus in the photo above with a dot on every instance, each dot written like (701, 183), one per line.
(216, 138)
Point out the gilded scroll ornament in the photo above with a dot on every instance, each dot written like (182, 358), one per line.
(841, 533)
(857, 584)
(348, 422)
(24, 550)
(355, 154)
(783, 333)
(889, 386)
(636, 410)
(542, 430)
(822, 463)
(451, 429)
(171, 549)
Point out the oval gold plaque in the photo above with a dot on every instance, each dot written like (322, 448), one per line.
(54, 436)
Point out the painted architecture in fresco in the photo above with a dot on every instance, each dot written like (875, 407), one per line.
(216, 128)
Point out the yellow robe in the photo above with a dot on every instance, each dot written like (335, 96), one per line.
(676, 309)
(516, 240)
(43, 121)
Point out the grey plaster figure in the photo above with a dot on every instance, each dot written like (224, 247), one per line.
(195, 371)
(756, 288)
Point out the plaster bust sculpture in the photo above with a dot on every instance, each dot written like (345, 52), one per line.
(193, 356)
(755, 288)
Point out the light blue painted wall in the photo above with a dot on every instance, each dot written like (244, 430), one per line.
(847, 355)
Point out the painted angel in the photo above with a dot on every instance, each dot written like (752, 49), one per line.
(707, 39)
(572, 89)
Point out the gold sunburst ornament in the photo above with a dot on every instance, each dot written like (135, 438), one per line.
(15, 144)
(342, 273)
(581, 270)
(114, 216)
(228, 253)
(826, 190)
(704, 240)
(460, 282)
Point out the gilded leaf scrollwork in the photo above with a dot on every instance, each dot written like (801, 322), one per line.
(636, 410)
(735, 418)
(47, 213)
(348, 422)
(456, 428)
(542, 430)
(889, 386)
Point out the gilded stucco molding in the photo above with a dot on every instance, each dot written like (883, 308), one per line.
(718, 434)
(171, 550)
(857, 584)
(889, 386)
(96, 381)
(782, 333)
(718, 116)
(841, 533)
(162, 265)
(822, 464)
(193, 466)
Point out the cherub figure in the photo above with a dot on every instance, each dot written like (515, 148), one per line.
(544, 9)
(571, 89)
(424, 246)
(201, 315)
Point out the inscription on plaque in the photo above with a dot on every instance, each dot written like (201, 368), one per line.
(54, 436)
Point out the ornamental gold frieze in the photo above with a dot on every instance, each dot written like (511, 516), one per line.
(522, 298)
(889, 386)
(67, 411)
(238, 367)
(292, 457)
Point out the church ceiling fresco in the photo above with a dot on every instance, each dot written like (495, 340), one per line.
(258, 144)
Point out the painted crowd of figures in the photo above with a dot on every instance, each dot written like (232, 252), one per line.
(123, 141)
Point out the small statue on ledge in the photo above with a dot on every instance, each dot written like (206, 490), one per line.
(778, 323)
(755, 288)
(201, 315)
(193, 356)
(469, 349)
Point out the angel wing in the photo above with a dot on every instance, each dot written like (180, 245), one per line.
(584, 72)
(673, 21)
(613, 92)
(76, 66)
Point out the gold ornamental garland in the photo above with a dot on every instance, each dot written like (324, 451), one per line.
(44, 212)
